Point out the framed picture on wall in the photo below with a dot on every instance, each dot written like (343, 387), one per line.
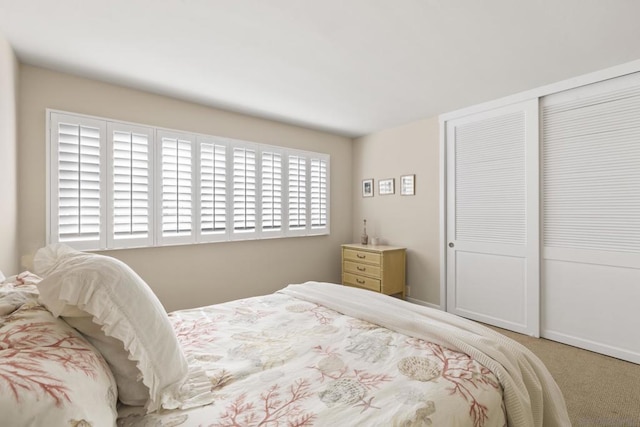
(386, 186)
(367, 187)
(408, 185)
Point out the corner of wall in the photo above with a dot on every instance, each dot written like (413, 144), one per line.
(408, 221)
(9, 251)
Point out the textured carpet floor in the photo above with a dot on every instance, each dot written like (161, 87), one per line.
(599, 390)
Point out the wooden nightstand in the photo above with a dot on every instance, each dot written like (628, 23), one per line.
(377, 268)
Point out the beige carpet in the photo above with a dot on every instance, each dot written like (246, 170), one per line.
(599, 390)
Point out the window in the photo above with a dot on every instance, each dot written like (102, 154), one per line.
(121, 185)
(297, 193)
(129, 169)
(176, 187)
(271, 191)
(319, 204)
(77, 212)
(244, 190)
(213, 190)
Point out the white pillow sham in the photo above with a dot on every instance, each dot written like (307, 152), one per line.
(121, 316)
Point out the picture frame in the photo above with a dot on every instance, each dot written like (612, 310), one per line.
(408, 185)
(367, 187)
(386, 186)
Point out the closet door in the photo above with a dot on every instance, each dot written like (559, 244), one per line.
(492, 217)
(591, 217)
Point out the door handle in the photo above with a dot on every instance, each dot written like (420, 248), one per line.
(451, 245)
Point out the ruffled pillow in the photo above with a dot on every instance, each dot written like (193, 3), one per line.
(50, 375)
(117, 311)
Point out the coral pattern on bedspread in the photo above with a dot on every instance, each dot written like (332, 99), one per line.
(280, 361)
(49, 374)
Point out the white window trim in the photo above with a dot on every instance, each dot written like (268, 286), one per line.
(156, 238)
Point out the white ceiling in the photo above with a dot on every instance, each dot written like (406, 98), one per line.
(350, 67)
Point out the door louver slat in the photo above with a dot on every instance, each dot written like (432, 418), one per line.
(489, 184)
(591, 172)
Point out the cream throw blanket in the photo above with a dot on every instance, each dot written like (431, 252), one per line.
(531, 396)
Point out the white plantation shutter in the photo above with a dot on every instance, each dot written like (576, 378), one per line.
(319, 193)
(244, 190)
(114, 185)
(271, 191)
(297, 194)
(177, 187)
(130, 174)
(213, 190)
(77, 197)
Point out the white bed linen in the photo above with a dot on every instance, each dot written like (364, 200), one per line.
(283, 360)
(531, 395)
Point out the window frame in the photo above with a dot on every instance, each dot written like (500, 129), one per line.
(156, 238)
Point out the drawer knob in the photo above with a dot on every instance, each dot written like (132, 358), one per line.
(361, 268)
(361, 256)
(360, 281)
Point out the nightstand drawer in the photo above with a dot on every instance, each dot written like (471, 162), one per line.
(361, 268)
(362, 256)
(361, 282)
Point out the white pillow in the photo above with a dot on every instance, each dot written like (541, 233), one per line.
(120, 315)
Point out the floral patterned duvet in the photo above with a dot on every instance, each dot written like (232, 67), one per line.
(277, 360)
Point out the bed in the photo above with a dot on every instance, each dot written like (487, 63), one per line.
(86, 342)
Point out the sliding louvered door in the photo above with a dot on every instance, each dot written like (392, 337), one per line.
(591, 217)
(492, 211)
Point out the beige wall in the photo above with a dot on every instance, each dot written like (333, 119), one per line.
(410, 221)
(8, 159)
(192, 275)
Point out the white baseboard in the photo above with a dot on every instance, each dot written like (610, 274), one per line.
(617, 352)
(426, 304)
